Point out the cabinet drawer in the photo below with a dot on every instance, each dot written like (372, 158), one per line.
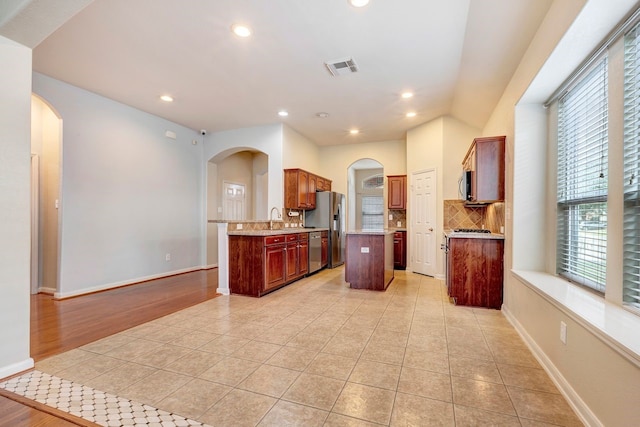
(273, 240)
(303, 236)
(291, 237)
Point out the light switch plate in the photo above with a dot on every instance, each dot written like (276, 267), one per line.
(364, 250)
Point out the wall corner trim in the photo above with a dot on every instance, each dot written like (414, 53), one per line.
(575, 401)
(16, 368)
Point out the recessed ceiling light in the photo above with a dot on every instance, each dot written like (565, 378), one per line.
(354, 131)
(322, 115)
(283, 113)
(241, 30)
(411, 114)
(407, 95)
(166, 98)
(358, 3)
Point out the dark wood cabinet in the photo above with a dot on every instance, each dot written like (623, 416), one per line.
(369, 260)
(258, 264)
(475, 271)
(400, 250)
(275, 265)
(303, 254)
(397, 191)
(485, 161)
(300, 188)
(311, 190)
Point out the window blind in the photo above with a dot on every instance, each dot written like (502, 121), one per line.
(582, 180)
(372, 213)
(631, 226)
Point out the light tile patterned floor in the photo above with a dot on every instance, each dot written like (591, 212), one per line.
(89, 404)
(318, 353)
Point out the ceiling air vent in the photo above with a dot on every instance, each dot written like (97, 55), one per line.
(341, 67)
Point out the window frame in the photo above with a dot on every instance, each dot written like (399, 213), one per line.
(581, 255)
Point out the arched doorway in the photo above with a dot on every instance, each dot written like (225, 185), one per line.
(46, 165)
(365, 181)
(237, 189)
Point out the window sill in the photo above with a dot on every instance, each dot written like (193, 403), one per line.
(614, 325)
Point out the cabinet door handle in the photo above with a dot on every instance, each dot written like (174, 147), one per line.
(430, 229)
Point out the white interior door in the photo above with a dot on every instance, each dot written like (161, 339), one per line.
(233, 201)
(423, 222)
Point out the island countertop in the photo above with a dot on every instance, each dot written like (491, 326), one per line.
(273, 232)
(471, 235)
(371, 232)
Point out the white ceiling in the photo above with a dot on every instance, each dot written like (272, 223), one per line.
(456, 55)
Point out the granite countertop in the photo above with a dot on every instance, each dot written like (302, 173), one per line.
(273, 232)
(372, 232)
(460, 235)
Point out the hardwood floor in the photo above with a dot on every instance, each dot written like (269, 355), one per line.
(17, 411)
(59, 326)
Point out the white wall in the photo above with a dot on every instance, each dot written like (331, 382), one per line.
(299, 152)
(599, 381)
(130, 195)
(15, 105)
(267, 139)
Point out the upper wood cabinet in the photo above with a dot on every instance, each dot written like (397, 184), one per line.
(296, 190)
(323, 184)
(300, 188)
(485, 161)
(397, 187)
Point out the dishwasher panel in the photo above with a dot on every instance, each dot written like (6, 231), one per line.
(315, 251)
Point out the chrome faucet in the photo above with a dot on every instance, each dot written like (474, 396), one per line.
(271, 217)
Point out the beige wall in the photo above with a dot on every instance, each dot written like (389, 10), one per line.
(238, 169)
(336, 159)
(600, 382)
(441, 145)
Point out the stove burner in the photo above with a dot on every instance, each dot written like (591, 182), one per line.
(471, 230)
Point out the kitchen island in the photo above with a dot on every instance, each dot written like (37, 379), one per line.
(261, 261)
(369, 259)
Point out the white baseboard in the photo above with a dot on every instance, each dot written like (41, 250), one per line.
(575, 401)
(48, 291)
(210, 266)
(16, 368)
(63, 295)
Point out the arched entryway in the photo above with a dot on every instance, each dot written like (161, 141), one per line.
(46, 167)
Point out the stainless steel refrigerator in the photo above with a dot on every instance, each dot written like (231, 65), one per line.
(330, 213)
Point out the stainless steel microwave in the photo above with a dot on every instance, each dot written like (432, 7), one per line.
(464, 186)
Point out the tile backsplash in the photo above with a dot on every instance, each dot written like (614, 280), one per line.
(397, 215)
(278, 224)
(457, 215)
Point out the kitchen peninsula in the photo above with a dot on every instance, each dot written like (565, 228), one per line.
(261, 261)
(369, 259)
